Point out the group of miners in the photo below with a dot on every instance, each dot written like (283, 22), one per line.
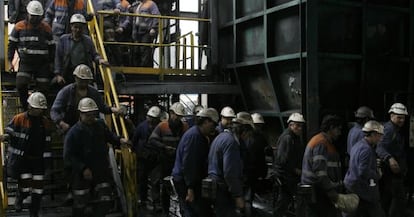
(219, 155)
(212, 166)
(212, 161)
(75, 111)
(312, 177)
(55, 40)
(50, 42)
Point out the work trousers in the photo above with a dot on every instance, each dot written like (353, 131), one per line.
(144, 166)
(200, 207)
(143, 55)
(24, 76)
(224, 205)
(31, 182)
(393, 195)
(91, 197)
(285, 198)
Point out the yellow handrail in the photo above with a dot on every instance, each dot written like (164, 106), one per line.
(3, 191)
(180, 53)
(111, 96)
(109, 12)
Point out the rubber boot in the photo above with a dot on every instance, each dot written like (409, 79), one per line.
(18, 203)
(35, 205)
(23, 96)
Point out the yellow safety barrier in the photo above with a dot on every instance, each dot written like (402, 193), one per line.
(3, 192)
(181, 44)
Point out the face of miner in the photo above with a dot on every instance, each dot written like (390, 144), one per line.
(397, 119)
(296, 127)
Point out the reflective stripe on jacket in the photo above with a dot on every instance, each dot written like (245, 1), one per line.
(321, 165)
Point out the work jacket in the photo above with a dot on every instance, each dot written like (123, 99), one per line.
(21, 131)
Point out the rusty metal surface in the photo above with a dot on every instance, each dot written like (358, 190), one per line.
(257, 88)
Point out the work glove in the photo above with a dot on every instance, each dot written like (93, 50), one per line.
(347, 202)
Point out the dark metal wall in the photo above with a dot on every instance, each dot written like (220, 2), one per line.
(317, 56)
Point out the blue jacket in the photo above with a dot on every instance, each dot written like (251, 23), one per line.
(144, 24)
(191, 158)
(141, 135)
(362, 177)
(64, 49)
(225, 163)
(65, 106)
(29, 137)
(220, 128)
(355, 135)
(124, 21)
(392, 145)
(86, 146)
(33, 44)
(58, 14)
(102, 5)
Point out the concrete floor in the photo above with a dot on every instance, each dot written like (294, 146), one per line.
(55, 208)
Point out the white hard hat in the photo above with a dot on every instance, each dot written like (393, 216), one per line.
(178, 109)
(197, 108)
(209, 113)
(398, 108)
(83, 72)
(37, 100)
(373, 126)
(35, 8)
(364, 112)
(296, 117)
(77, 18)
(243, 118)
(154, 112)
(257, 118)
(228, 112)
(87, 105)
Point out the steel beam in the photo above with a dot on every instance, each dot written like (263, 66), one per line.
(311, 102)
(132, 88)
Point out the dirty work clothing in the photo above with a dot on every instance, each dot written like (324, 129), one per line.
(321, 168)
(28, 156)
(146, 157)
(65, 64)
(59, 12)
(86, 147)
(65, 106)
(287, 159)
(225, 166)
(355, 135)
(165, 139)
(392, 185)
(190, 168)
